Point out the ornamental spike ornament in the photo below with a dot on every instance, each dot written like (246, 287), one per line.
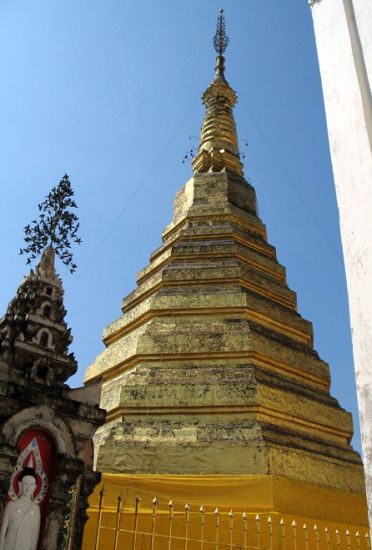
(218, 149)
(220, 39)
(220, 43)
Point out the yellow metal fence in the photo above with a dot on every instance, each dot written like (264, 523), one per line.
(144, 523)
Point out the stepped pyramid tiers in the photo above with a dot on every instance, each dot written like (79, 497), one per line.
(210, 370)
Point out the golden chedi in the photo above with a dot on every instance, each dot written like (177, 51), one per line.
(209, 377)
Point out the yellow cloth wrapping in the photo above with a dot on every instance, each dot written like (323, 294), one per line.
(269, 496)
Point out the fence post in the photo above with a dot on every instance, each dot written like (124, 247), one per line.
(217, 516)
(338, 540)
(328, 538)
(245, 530)
(74, 492)
(306, 537)
(357, 536)
(187, 518)
(153, 520)
(117, 522)
(100, 506)
(348, 539)
(258, 530)
(231, 527)
(317, 539)
(270, 530)
(294, 534)
(170, 524)
(282, 534)
(136, 512)
(202, 511)
(368, 542)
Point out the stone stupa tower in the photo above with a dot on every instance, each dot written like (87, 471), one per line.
(210, 372)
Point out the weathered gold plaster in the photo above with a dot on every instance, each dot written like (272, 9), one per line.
(207, 361)
(211, 370)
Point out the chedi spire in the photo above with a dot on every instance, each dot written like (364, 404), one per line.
(34, 337)
(218, 148)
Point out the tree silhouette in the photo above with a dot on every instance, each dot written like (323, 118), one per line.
(57, 226)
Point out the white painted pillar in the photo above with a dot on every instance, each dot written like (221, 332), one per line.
(343, 33)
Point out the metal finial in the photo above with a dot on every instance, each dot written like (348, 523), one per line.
(220, 39)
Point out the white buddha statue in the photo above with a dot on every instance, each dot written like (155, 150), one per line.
(21, 522)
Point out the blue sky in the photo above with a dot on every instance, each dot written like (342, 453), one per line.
(109, 92)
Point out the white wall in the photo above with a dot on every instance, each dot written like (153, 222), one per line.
(343, 32)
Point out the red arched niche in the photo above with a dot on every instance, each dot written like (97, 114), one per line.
(37, 450)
